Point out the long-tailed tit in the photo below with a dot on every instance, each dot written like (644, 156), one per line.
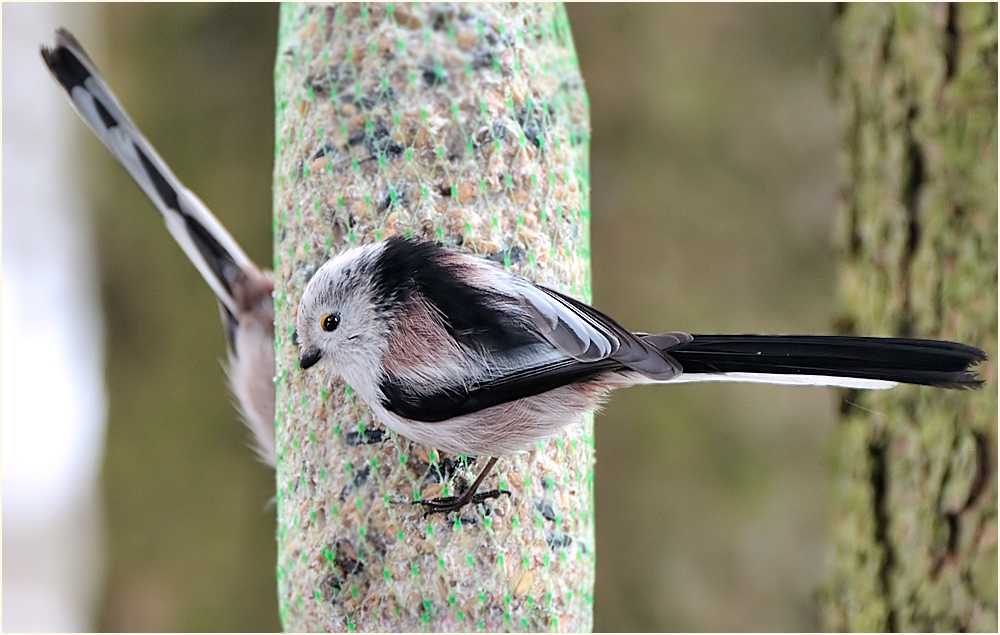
(451, 351)
(448, 349)
(242, 289)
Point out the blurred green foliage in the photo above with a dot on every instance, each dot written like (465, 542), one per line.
(713, 181)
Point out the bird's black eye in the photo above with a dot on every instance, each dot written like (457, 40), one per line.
(330, 322)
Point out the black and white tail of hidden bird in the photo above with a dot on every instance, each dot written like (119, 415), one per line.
(451, 351)
(242, 289)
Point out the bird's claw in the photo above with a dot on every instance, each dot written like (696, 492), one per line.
(446, 504)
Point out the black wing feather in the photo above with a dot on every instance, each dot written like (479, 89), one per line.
(462, 400)
(632, 350)
(408, 267)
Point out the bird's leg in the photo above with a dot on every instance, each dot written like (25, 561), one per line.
(447, 504)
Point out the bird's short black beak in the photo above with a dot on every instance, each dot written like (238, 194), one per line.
(309, 358)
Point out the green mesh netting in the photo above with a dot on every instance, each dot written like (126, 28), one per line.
(465, 124)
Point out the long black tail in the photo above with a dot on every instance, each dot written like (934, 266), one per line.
(883, 359)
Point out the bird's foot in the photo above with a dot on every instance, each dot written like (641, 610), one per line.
(446, 504)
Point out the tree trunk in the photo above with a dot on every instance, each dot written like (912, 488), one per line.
(916, 503)
(468, 125)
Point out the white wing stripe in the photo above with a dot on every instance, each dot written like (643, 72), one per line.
(786, 380)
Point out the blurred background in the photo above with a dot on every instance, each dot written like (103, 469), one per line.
(713, 173)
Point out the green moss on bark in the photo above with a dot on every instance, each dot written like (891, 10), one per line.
(916, 504)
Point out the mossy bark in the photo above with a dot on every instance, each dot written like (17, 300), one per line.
(916, 503)
(468, 125)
